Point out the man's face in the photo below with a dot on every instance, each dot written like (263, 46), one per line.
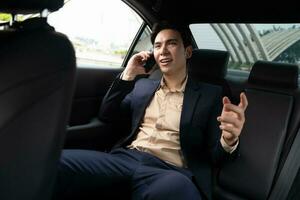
(170, 53)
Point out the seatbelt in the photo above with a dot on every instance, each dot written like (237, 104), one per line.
(288, 172)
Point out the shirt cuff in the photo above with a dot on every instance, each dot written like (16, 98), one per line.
(226, 147)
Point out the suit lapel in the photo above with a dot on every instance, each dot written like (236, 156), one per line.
(191, 96)
(148, 93)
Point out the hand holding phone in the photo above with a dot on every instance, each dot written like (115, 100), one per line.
(150, 62)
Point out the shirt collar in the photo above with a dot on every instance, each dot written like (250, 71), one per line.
(179, 89)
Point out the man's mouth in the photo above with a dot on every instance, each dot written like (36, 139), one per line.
(165, 61)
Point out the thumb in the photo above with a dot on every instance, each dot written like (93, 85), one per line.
(243, 101)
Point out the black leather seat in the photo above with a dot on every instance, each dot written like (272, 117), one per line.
(37, 70)
(270, 91)
(210, 66)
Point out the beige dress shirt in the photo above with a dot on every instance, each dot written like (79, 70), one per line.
(159, 131)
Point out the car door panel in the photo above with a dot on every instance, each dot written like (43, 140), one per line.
(85, 130)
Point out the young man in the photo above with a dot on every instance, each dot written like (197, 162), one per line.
(178, 129)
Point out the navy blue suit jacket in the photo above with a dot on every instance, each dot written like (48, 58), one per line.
(199, 128)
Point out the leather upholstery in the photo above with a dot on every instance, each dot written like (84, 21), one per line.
(262, 140)
(36, 85)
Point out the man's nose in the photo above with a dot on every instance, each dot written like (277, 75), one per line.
(164, 49)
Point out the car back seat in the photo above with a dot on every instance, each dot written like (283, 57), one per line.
(37, 71)
(210, 66)
(270, 91)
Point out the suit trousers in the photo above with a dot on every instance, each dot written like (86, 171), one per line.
(121, 174)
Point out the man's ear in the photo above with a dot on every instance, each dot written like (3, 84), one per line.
(188, 51)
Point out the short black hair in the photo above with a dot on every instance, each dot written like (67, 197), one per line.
(183, 30)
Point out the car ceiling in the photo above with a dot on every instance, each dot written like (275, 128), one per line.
(213, 11)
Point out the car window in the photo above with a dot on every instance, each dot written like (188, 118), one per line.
(144, 42)
(248, 43)
(101, 31)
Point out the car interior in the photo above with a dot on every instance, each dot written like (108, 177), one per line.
(51, 102)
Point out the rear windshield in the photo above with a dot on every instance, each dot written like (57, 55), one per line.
(247, 43)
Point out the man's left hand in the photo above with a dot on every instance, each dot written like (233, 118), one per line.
(232, 119)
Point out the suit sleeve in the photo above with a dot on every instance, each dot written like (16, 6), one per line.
(116, 103)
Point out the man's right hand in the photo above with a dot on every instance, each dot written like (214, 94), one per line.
(135, 66)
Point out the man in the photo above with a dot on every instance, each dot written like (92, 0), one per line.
(178, 129)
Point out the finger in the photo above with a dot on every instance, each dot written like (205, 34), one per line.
(225, 101)
(230, 130)
(138, 59)
(149, 53)
(238, 116)
(143, 55)
(243, 101)
(146, 55)
(233, 108)
(228, 136)
(230, 120)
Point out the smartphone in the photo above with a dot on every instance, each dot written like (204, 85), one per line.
(150, 62)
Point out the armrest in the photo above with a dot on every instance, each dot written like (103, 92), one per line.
(95, 135)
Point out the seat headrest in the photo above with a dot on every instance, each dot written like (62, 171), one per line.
(271, 74)
(207, 63)
(29, 6)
